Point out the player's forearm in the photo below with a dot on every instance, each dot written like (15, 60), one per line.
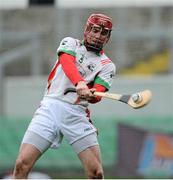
(68, 65)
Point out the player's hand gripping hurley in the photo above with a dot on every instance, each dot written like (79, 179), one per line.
(136, 100)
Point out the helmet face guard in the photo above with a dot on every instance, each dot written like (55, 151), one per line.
(97, 31)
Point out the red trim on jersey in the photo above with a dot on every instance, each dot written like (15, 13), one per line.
(68, 65)
(105, 61)
(52, 74)
(98, 88)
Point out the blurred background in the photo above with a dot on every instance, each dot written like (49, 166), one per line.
(134, 143)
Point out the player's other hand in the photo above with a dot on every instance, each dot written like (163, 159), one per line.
(91, 96)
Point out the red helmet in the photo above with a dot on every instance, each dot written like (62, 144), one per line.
(100, 21)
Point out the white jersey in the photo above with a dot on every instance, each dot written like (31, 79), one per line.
(95, 68)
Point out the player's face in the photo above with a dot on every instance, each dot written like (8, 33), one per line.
(98, 36)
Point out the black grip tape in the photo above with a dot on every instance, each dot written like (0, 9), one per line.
(125, 98)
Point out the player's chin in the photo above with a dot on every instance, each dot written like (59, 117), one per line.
(97, 42)
(97, 45)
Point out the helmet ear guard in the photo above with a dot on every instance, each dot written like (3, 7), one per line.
(99, 20)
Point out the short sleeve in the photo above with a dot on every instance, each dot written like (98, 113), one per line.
(106, 76)
(68, 46)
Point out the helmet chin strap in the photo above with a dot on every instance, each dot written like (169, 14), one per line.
(93, 48)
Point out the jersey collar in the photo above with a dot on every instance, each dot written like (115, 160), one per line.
(100, 53)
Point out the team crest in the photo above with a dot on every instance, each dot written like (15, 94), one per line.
(91, 66)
